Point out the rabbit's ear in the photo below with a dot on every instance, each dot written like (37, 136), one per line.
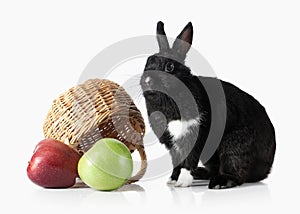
(161, 37)
(183, 41)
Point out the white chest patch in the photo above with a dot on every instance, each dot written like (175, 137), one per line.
(179, 128)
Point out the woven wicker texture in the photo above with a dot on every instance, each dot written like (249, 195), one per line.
(97, 109)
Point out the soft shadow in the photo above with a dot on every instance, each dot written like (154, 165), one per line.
(83, 196)
(247, 193)
(130, 187)
(199, 192)
(184, 195)
(79, 184)
(126, 195)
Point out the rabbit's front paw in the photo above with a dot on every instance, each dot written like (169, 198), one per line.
(185, 179)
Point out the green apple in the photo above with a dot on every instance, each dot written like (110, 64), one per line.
(106, 166)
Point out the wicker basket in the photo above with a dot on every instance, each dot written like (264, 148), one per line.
(93, 110)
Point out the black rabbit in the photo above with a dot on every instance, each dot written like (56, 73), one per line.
(180, 113)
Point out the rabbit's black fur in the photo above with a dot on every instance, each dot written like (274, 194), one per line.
(247, 147)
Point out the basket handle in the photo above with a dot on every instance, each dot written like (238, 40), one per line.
(143, 168)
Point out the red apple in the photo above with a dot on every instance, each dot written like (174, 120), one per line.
(53, 165)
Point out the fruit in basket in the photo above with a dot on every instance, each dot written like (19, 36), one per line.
(107, 165)
(53, 164)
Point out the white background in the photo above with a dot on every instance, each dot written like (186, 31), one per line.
(44, 47)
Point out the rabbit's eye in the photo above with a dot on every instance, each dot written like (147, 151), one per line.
(169, 67)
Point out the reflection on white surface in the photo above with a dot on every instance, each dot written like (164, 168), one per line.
(149, 196)
(256, 192)
(244, 198)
